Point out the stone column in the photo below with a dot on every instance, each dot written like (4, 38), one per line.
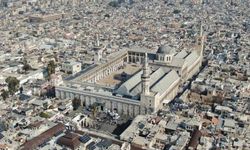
(58, 94)
(131, 110)
(72, 95)
(119, 108)
(111, 106)
(87, 101)
(62, 95)
(67, 95)
(92, 100)
(108, 104)
(125, 109)
(136, 110)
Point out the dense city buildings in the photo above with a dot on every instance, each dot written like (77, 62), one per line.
(124, 74)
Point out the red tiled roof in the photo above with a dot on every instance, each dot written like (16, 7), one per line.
(194, 141)
(45, 136)
(70, 140)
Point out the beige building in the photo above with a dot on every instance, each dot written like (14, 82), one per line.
(71, 67)
(134, 81)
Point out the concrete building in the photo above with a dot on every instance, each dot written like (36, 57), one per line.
(71, 67)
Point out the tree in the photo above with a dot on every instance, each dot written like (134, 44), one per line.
(26, 67)
(13, 84)
(76, 103)
(94, 110)
(44, 115)
(21, 90)
(5, 94)
(51, 68)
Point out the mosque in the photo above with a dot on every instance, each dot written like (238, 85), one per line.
(135, 81)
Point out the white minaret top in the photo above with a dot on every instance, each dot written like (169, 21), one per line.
(145, 61)
(145, 76)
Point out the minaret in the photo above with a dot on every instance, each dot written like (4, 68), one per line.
(200, 45)
(200, 41)
(145, 78)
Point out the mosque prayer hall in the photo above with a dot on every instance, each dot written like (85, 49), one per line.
(134, 81)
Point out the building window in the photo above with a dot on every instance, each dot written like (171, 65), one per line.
(162, 58)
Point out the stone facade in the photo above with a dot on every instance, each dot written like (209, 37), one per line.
(148, 101)
(122, 105)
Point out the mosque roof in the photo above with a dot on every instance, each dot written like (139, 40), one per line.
(165, 82)
(181, 54)
(164, 49)
(191, 58)
(154, 78)
(160, 80)
(129, 84)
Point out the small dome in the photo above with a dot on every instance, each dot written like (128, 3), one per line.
(165, 50)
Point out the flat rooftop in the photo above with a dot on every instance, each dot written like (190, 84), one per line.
(118, 76)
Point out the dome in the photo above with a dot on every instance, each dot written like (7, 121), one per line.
(165, 50)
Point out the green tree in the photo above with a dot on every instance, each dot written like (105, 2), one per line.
(13, 84)
(4, 94)
(94, 110)
(26, 66)
(76, 103)
(51, 68)
(44, 115)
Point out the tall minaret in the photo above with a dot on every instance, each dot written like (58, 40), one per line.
(200, 41)
(200, 45)
(145, 76)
